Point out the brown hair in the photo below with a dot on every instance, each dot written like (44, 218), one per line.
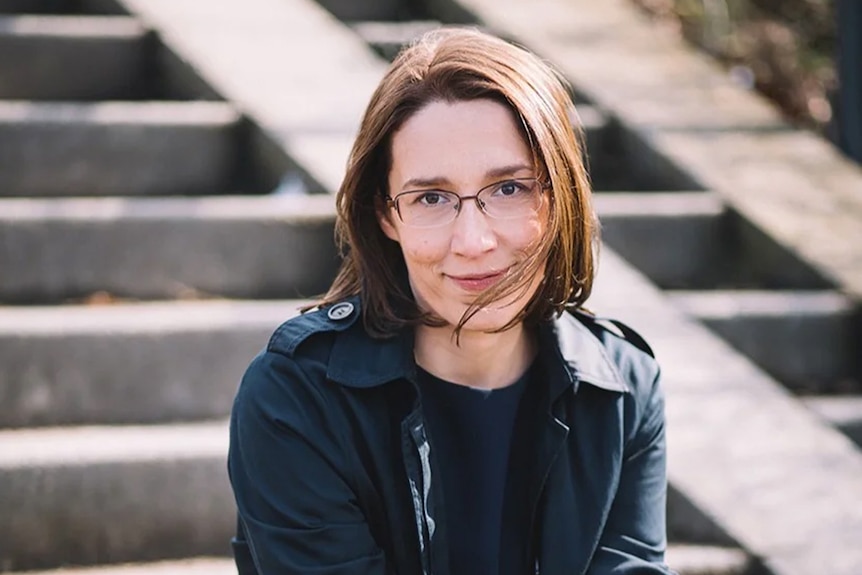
(456, 64)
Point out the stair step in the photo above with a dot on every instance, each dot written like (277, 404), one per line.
(686, 559)
(387, 38)
(670, 236)
(842, 411)
(806, 340)
(690, 241)
(708, 560)
(55, 250)
(71, 57)
(90, 495)
(118, 494)
(195, 566)
(129, 363)
(380, 10)
(117, 148)
(60, 7)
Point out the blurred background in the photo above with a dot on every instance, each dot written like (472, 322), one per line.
(167, 171)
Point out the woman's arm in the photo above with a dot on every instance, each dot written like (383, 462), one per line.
(290, 478)
(634, 538)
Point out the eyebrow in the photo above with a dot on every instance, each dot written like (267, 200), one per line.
(432, 182)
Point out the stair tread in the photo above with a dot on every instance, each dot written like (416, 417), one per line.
(112, 112)
(193, 566)
(837, 409)
(136, 317)
(674, 204)
(76, 25)
(83, 445)
(688, 559)
(229, 207)
(719, 303)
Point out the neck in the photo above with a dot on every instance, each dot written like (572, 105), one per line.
(479, 359)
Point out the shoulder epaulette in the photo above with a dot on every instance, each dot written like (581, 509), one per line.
(293, 332)
(615, 327)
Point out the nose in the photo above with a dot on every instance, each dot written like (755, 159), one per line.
(472, 234)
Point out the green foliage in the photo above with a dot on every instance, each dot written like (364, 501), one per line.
(786, 46)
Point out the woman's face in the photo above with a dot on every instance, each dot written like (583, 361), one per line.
(463, 147)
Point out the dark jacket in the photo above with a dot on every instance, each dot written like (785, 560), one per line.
(334, 474)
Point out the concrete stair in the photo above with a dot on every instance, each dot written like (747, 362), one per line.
(232, 246)
(90, 495)
(71, 57)
(117, 148)
(124, 363)
(805, 339)
(127, 317)
(688, 559)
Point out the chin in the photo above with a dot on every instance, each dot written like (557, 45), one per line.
(487, 319)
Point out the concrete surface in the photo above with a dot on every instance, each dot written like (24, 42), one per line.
(804, 339)
(129, 363)
(117, 148)
(268, 247)
(842, 411)
(94, 495)
(753, 459)
(71, 57)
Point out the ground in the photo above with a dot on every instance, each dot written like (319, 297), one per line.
(783, 48)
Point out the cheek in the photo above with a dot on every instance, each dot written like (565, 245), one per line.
(527, 235)
(423, 251)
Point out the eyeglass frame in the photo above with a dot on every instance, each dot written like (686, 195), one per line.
(393, 200)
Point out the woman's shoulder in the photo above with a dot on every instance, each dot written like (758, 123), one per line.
(628, 359)
(614, 350)
(298, 351)
(330, 346)
(292, 334)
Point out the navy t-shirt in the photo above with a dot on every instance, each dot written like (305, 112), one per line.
(471, 432)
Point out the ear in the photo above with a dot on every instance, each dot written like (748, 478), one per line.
(385, 215)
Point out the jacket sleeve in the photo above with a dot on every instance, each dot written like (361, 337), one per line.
(634, 539)
(291, 478)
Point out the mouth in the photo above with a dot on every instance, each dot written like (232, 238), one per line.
(478, 282)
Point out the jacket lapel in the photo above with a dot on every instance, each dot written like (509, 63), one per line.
(581, 484)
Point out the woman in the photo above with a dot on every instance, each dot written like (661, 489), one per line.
(446, 408)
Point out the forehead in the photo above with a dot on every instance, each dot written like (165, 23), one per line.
(459, 142)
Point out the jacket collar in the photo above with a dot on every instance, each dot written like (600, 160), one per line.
(359, 361)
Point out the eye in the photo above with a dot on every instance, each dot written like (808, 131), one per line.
(510, 188)
(430, 198)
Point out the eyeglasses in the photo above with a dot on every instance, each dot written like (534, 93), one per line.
(504, 200)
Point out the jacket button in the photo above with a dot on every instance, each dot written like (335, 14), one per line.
(340, 311)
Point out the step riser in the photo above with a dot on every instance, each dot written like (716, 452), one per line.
(72, 67)
(59, 7)
(707, 251)
(376, 10)
(182, 258)
(686, 522)
(622, 161)
(119, 159)
(842, 411)
(673, 251)
(807, 340)
(114, 513)
(806, 353)
(112, 379)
